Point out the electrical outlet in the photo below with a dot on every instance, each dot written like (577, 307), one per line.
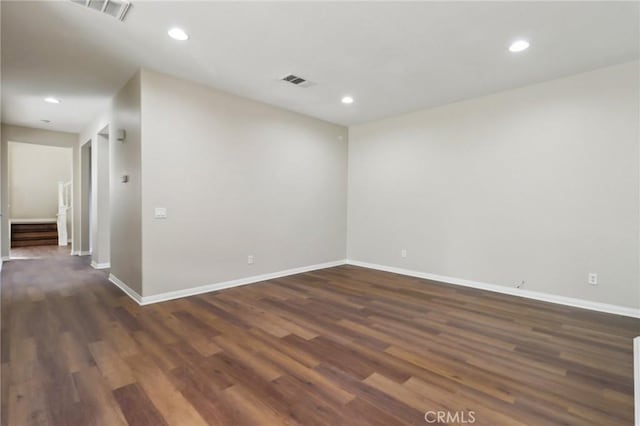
(403, 253)
(592, 279)
(250, 259)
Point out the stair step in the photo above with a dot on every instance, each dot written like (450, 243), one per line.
(29, 227)
(34, 234)
(39, 235)
(44, 242)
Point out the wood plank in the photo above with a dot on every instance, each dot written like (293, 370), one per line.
(175, 409)
(343, 345)
(116, 372)
(136, 406)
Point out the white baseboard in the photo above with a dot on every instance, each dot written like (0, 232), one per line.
(636, 378)
(81, 253)
(128, 290)
(95, 265)
(5, 258)
(163, 297)
(545, 297)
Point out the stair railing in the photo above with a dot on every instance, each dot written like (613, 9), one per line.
(64, 204)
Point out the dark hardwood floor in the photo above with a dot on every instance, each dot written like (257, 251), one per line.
(38, 252)
(341, 346)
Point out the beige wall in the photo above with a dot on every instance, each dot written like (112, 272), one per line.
(238, 178)
(538, 184)
(117, 227)
(40, 137)
(126, 198)
(34, 173)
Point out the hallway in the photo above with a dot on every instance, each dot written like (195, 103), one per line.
(344, 345)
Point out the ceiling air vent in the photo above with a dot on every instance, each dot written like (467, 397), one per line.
(297, 81)
(115, 8)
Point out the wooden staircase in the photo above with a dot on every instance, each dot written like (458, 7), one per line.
(34, 234)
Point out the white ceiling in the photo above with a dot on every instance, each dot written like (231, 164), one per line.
(392, 57)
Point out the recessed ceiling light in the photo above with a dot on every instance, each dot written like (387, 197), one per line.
(52, 100)
(46, 121)
(519, 46)
(178, 34)
(347, 100)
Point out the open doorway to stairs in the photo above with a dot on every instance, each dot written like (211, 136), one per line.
(40, 192)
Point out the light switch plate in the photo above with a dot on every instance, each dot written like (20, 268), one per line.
(161, 213)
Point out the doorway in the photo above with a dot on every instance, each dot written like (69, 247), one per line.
(39, 199)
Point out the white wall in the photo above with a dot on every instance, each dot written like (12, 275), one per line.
(237, 177)
(34, 173)
(39, 137)
(97, 220)
(100, 214)
(538, 184)
(85, 199)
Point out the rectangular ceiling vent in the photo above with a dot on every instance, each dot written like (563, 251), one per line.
(115, 8)
(297, 81)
